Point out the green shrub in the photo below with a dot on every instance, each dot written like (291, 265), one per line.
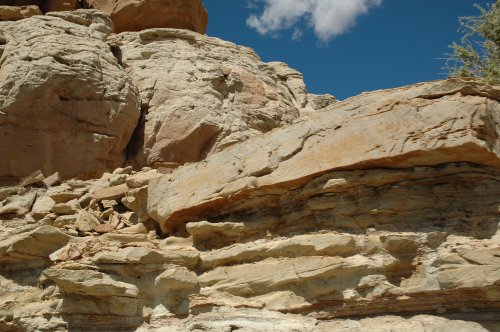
(478, 53)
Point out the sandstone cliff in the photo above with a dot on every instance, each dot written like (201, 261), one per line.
(162, 180)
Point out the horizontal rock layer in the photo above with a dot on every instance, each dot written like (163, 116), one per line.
(406, 229)
(377, 213)
(428, 124)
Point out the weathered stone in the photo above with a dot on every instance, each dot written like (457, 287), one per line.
(32, 248)
(62, 194)
(71, 207)
(42, 207)
(140, 228)
(86, 221)
(55, 68)
(141, 179)
(470, 277)
(8, 191)
(33, 178)
(176, 279)
(66, 221)
(117, 179)
(205, 228)
(111, 193)
(357, 217)
(190, 112)
(52, 180)
(302, 272)
(123, 170)
(18, 205)
(138, 255)
(483, 256)
(15, 13)
(306, 245)
(137, 201)
(420, 323)
(90, 283)
(136, 15)
(450, 128)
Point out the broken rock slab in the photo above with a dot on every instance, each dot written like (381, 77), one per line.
(455, 120)
(32, 248)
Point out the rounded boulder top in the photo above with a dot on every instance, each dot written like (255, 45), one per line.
(134, 15)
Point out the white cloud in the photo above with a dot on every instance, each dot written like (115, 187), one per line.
(328, 18)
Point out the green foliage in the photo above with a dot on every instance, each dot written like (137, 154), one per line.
(478, 54)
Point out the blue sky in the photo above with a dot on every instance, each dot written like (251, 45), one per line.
(394, 43)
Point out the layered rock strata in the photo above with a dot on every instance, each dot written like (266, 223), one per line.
(405, 232)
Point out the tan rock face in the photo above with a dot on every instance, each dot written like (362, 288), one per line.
(48, 5)
(386, 234)
(201, 95)
(65, 103)
(428, 124)
(354, 216)
(133, 15)
(127, 15)
(15, 13)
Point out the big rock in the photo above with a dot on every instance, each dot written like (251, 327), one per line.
(127, 15)
(200, 95)
(423, 125)
(47, 5)
(14, 13)
(136, 15)
(65, 103)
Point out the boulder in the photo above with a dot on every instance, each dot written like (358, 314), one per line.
(32, 247)
(48, 5)
(86, 221)
(201, 95)
(15, 13)
(176, 279)
(18, 205)
(90, 283)
(53, 68)
(136, 15)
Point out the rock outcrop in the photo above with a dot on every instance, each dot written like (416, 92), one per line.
(15, 13)
(127, 15)
(65, 103)
(270, 209)
(134, 15)
(430, 124)
(200, 95)
(274, 239)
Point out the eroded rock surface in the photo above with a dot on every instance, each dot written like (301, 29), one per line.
(405, 232)
(15, 13)
(430, 124)
(134, 15)
(127, 15)
(297, 212)
(200, 95)
(65, 103)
